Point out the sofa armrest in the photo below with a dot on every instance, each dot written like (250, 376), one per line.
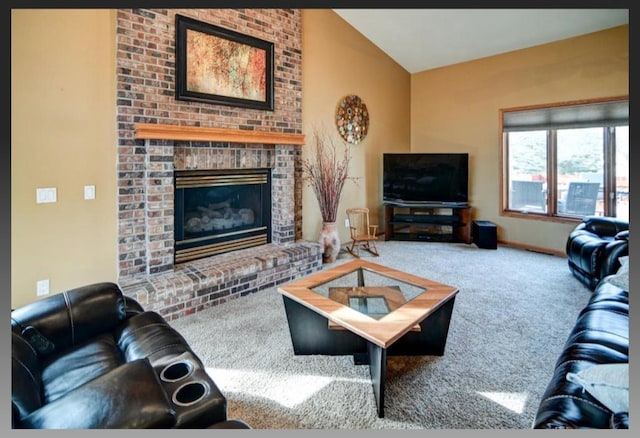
(196, 399)
(622, 235)
(610, 256)
(128, 397)
(605, 226)
(71, 317)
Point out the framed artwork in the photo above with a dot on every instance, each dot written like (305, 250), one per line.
(221, 66)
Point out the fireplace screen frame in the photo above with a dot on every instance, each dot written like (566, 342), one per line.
(188, 249)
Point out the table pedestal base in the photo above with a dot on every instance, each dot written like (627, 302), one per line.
(310, 334)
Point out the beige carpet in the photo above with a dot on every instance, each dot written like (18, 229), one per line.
(511, 318)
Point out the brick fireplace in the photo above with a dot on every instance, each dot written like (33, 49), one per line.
(159, 135)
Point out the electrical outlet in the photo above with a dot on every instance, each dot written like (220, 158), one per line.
(42, 287)
(346, 223)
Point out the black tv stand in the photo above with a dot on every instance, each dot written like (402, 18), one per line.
(428, 222)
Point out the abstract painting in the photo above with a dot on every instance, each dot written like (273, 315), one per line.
(221, 66)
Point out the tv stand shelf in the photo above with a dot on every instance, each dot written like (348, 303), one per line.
(429, 224)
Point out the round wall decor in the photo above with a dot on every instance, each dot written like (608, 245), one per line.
(352, 119)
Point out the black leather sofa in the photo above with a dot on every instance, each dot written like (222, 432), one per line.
(93, 358)
(594, 247)
(599, 336)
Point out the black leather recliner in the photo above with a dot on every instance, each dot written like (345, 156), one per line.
(594, 246)
(93, 358)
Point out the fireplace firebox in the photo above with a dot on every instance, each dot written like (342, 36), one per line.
(218, 211)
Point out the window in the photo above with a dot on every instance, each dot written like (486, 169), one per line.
(567, 161)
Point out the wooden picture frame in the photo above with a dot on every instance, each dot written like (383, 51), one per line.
(221, 66)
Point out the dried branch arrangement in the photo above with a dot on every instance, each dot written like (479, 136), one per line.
(326, 171)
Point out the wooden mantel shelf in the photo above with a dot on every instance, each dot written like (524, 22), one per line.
(152, 131)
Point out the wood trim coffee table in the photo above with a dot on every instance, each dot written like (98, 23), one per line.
(369, 311)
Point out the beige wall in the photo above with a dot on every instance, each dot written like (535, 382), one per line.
(63, 127)
(456, 108)
(63, 135)
(338, 61)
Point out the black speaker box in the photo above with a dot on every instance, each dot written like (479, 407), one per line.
(485, 234)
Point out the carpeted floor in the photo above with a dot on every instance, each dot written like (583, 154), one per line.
(511, 318)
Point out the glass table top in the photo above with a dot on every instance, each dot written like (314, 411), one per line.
(369, 292)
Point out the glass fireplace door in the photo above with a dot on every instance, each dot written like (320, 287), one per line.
(220, 211)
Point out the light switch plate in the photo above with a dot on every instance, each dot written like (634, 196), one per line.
(46, 195)
(89, 192)
(42, 287)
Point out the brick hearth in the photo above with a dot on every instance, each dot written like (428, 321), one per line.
(208, 282)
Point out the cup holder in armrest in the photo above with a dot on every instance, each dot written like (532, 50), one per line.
(176, 371)
(190, 393)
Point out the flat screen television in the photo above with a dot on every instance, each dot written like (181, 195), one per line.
(425, 179)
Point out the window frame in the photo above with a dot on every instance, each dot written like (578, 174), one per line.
(552, 215)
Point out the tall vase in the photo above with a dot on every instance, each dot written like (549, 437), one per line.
(330, 241)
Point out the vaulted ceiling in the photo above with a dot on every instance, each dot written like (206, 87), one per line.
(423, 39)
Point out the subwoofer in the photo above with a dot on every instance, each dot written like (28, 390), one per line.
(485, 234)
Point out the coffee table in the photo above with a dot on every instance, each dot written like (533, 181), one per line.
(369, 311)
